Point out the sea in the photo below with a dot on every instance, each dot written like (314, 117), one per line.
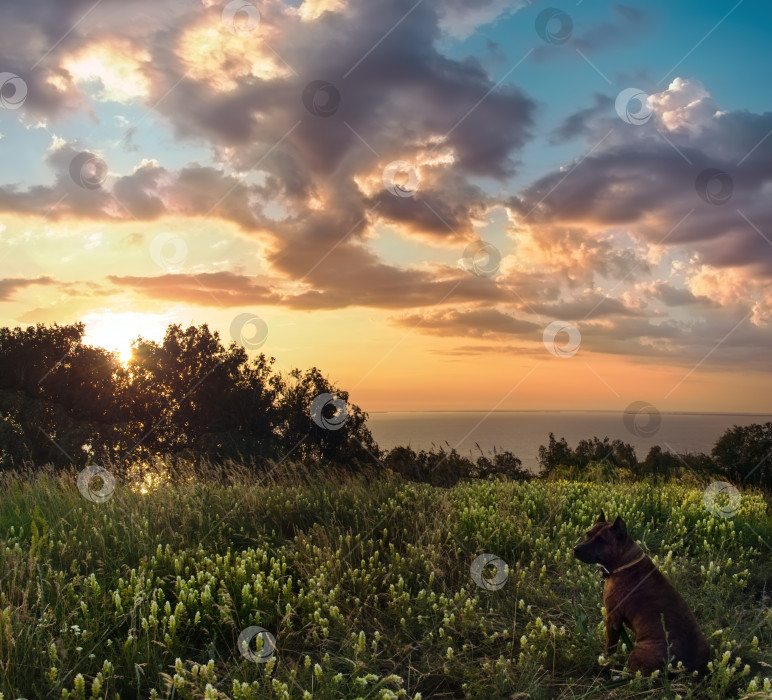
(521, 432)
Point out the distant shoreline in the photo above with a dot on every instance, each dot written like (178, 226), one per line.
(523, 432)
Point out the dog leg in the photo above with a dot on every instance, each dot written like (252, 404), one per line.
(613, 628)
(646, 658)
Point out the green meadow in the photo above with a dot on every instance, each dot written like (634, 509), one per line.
(366, 586)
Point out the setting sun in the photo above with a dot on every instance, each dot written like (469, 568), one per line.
(117, 331)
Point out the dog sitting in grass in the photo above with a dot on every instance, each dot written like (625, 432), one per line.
(638, 595)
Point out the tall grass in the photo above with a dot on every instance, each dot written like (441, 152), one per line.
(365, 585)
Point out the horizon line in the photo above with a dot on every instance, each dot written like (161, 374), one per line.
(559, 410)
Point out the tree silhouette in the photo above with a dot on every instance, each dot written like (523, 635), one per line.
(56, 394)
(744, 453)
(299, 434)
(63, 402)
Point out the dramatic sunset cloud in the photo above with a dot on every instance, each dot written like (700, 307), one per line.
(405, 192)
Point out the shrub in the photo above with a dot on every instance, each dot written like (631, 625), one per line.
(744, 453)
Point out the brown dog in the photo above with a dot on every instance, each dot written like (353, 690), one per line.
(636, 594)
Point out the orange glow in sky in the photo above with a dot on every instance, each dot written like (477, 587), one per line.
(411, 210)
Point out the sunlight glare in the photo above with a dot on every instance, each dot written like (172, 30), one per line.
(117, 331)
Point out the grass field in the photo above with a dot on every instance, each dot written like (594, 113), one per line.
(367, 589)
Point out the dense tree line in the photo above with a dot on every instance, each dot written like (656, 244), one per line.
(445, 467)
(63, 402)
(66, 403)
(743, 454)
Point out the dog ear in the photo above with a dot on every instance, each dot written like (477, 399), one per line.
(619, 526)
(601, 517)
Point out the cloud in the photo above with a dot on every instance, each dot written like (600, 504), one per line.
(148, 193)
(686, 105)
(587, 305)
(475, 322)
(446, 207)
(725, 287)
(10, 285)
(579, 123)
(312, 9)
(389, 288)
(115, 65)
(476, 350)
(627, 25)
(461, 18)
(638, 180)
(38, 41)
(226, 289)
(577, 256)
(673, 296)
(636, 202)
(308, 182)
(295, 178)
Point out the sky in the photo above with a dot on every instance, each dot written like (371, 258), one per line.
(442, 204)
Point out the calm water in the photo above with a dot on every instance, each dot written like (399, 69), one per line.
(523, 432)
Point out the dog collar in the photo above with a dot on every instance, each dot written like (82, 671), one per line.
(606, 573)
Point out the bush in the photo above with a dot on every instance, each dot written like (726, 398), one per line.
(504, 464)
(557, 453)
(677, 465)
(437, 466)
(744, 453)
(614, 454)
(441, 467)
